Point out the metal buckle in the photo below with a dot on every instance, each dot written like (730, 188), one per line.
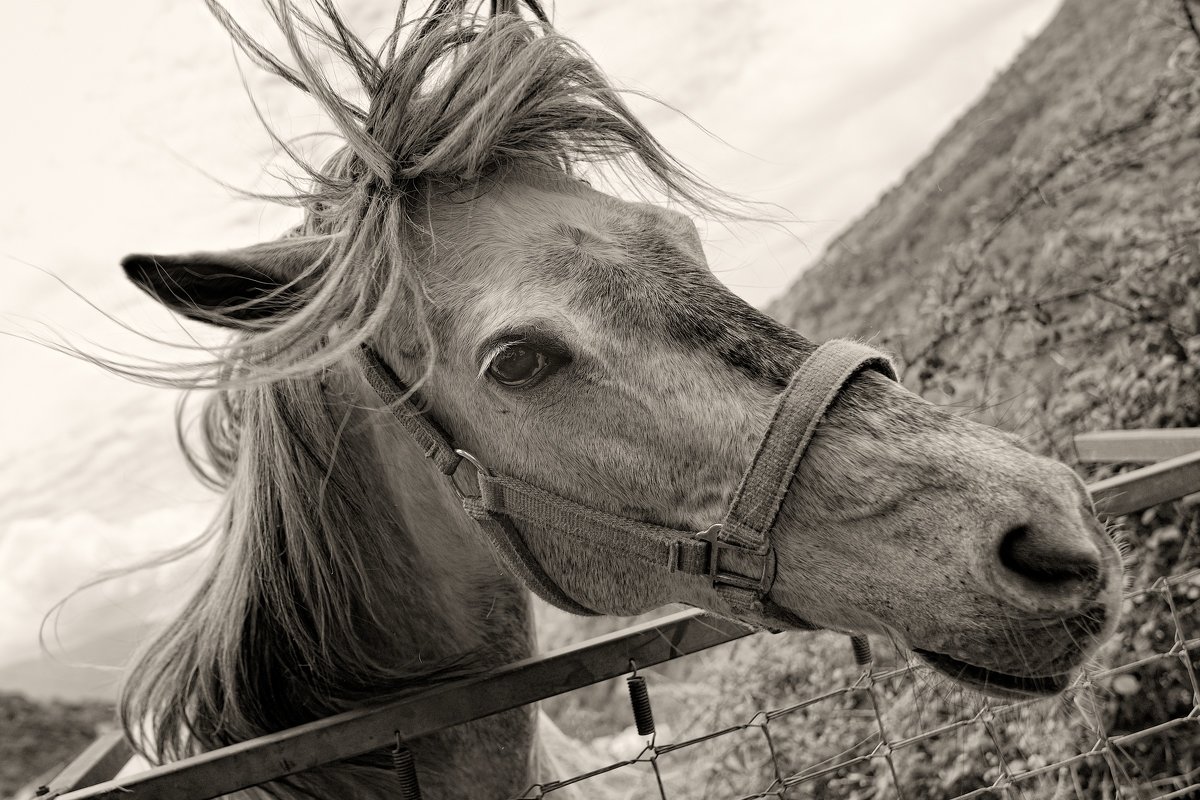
(712, 561)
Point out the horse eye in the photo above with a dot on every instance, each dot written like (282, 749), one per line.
(519, 364)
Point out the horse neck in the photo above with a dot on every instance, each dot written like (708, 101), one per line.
(468, 610)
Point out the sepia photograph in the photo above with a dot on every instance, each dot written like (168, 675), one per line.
(600, 399)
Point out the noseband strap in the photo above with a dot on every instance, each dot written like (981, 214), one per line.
(735, 555)
(798, 412)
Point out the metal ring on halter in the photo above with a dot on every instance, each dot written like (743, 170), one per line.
(463, 454)
(474, 462)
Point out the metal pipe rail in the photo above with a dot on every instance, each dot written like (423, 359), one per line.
(1147, 487)
(352, 733)
(1136, 446)
(360, 731)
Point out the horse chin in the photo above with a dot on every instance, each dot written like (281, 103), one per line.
(1053, 652)
(992, 682)
(984, 680)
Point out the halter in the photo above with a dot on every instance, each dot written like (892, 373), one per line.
(735, 554)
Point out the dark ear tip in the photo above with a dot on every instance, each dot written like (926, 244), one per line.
(137, 265)
(225, 289)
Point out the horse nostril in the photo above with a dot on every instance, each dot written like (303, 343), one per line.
(1048, 561)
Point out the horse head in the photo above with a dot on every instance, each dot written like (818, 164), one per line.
(578, 343)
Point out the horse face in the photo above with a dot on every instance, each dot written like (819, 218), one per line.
(586, 348)
(582, 345)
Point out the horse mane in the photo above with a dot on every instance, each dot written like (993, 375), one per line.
(285, 624)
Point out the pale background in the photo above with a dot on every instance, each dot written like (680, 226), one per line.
(113, 112)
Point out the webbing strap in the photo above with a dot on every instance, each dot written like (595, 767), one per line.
(508, 543)
(502, 499)
(424, 431)
(659, 547)
(798, 412)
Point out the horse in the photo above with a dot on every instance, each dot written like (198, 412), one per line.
(462, 315)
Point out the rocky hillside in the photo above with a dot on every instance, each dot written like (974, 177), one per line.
(1039, 269)
(1089, 78)
(1047, 244)
(38, 738)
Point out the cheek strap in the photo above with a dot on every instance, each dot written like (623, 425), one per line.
(735, 555)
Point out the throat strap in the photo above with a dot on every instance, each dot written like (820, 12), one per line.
(653, 545)
(497, 528)
(736, 554)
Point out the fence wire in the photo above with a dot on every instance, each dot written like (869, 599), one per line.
(1103, 763)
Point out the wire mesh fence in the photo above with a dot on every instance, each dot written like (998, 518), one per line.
(857, 725)
(899, 716)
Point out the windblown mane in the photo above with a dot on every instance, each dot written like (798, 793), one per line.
(452, 99)
(279, 631)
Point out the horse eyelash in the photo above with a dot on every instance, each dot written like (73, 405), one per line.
(496, 350)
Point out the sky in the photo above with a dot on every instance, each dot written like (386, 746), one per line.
(122, 120)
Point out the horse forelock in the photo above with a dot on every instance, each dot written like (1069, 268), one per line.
(452, 101)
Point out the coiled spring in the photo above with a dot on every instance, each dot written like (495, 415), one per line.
(406, 771)
(862, 650)
(639, 698)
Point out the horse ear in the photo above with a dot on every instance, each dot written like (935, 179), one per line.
(230, 287)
